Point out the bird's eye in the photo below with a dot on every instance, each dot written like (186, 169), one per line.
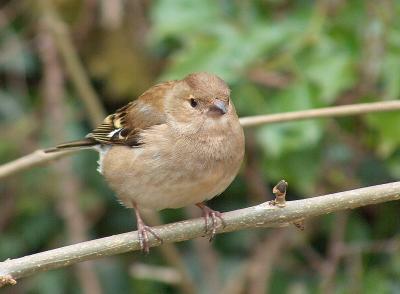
(193, 103)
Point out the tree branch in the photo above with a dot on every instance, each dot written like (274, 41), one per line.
(262, 215)
(38, 157)
(335, 111)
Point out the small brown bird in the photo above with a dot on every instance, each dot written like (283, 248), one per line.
(179, 143)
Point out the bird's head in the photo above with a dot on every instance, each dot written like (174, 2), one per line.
(200, 98)
(209, 94)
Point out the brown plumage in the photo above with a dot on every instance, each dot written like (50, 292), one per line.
(179, 143)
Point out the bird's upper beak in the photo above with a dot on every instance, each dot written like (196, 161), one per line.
(219, 106)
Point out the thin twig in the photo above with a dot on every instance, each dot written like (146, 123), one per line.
(73, 65)
(262, 263)
(254, 178)
(335, 111)
(207, 258)
(354, 273)
(257, 270)
(38, 157)
(262, 215)
(173, 257)
(33, 159)
(168, 275)
(67, 182)
(331, 264)
(389, 246)
(8, 202)
(254, 274)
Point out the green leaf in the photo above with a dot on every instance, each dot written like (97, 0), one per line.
(391, 76)
(278, 139)
(176, 17)
(375, 282)
(330, 67)
(227, 50)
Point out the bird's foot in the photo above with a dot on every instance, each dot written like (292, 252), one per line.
(210, 214)
(143, 235)
(143, 232)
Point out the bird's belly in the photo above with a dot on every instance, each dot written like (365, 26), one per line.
(152, 180)
(183, 190)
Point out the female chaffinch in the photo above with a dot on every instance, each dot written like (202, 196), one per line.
(179, 143)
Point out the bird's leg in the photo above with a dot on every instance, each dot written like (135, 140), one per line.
(143, 231)
(209, 213)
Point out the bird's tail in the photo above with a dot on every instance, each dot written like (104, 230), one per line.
(78, 144)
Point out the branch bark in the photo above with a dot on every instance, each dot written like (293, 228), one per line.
(335, 111)
(262, 215)
(38, 157)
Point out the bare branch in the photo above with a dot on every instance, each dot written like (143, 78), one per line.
(255, 273)
(67, 187)
(262, 263)
(74, 67)
(335, 111)
(38, 157)
(173, 257)
(330, 265)
(262, 215)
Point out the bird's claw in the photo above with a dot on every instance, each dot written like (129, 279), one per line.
(143, 235)
(211, 227)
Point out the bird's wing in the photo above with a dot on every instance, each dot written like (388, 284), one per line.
(124, 126)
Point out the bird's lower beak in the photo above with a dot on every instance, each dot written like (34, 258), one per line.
(219, 106)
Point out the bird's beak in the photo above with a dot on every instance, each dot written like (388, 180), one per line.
(219, 106)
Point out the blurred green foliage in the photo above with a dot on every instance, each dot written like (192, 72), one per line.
(278, 56)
